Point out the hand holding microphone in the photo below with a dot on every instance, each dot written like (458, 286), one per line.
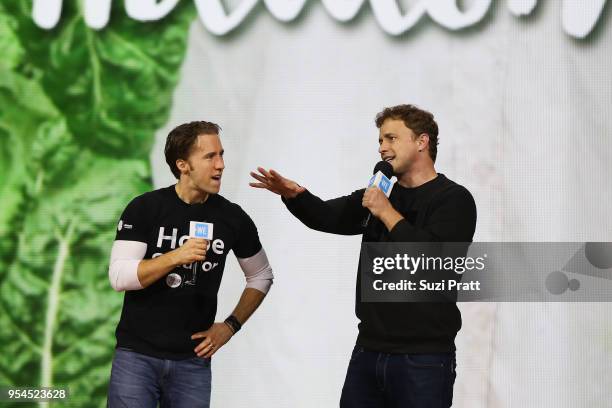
(375, 198)
(194, 250)
(200, 233)
(376, 201)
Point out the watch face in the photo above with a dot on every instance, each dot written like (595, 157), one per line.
(173, 280)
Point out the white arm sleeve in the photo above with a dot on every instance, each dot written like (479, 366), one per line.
(257, 271)
(123, 269)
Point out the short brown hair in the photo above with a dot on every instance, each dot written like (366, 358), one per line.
(180, 140)
(417, 120)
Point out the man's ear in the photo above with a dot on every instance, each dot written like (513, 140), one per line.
(423, 141)
(183, 166)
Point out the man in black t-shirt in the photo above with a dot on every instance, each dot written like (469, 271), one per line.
(405, 352)
(168, 257)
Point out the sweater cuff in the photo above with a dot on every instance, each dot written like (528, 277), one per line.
(297, 200)
(401, 230)
(404, 231)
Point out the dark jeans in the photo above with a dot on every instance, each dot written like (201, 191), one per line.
(141, 381)
(383, 380)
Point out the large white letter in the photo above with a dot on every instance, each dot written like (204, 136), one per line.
(579, 17)
(284, 10)
(344, 10)
(389, 16)
(149, 10)
(97, 13)
(447, 14)
(46, 13)
(216, 21)
(522, 7)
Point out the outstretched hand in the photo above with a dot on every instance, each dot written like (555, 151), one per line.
(274, 182)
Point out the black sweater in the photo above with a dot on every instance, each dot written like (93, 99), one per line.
(440, 211)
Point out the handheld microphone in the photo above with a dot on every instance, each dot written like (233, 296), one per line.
(382, 173)
(198, 229)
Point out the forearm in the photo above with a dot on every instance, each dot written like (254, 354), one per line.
(342, 215)
(310, 210)
(248, 303)
(151, 270)
(390, 218)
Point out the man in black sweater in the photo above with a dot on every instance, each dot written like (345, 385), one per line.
(405, 352)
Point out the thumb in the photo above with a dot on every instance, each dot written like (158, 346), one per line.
(199, 335)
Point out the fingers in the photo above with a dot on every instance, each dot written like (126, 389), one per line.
(199, 350)
(266, 181)
(206, 348)
(264, 172)
(262, 176)
(210, 353)
(275, 174)
(198, 253)
(266, 176)
(366, 195)
(211, 350)
(205, 352)
(371, 192)
(198, 249)
(204, 344)
(258, 177)
(200, 242)
(198, 335)
(367, 198)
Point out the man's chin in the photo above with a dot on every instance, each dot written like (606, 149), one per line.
(210, 189)
(394, 166)
(214, 189)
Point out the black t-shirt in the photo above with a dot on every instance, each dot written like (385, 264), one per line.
(160, 319)
(437, 211)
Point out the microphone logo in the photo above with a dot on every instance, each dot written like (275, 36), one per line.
(382, 182)
(199, 229)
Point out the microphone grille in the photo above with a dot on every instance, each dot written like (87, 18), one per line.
(385, 167)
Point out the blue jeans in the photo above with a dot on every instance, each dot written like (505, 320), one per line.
(141, 381)
(383, 380)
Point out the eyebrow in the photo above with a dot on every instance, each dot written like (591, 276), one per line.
(211, 154)
(387, 136)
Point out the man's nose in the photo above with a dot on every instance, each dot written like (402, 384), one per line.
(220, 164)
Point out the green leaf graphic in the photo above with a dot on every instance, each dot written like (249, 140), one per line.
(78, 113)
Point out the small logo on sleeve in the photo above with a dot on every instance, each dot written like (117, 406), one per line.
(123, 225)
